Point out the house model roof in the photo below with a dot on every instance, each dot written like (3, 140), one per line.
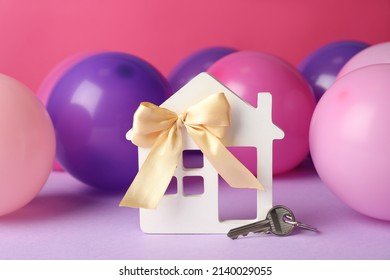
(246, 120)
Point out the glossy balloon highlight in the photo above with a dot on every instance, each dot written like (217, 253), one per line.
(51, 80)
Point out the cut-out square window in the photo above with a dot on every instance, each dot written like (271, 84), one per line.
(172, 187)
(193, 185)
(192, 159)
(247, 156)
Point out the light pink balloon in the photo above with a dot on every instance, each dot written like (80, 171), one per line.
(376, 54)
(247, 73)
(27, 145)
(53, 77)
(349, 140)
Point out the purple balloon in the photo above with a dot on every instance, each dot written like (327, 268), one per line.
(321, 67)
(194, 64)
(92, 108)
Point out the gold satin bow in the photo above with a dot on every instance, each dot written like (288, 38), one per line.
(160, 129)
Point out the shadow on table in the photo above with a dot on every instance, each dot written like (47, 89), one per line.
(314, 203)
(47, 206)
(304, 169)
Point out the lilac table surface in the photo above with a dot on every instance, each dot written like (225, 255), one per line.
(69, 220)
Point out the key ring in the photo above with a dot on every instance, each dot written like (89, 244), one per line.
(288, 219)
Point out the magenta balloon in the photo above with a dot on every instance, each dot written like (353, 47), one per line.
(376, 54)
(51, 80)
(27, 145)
(92, 108)
(247, 73)
(349, 140)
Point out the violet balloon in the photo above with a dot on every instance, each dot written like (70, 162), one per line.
(320, 68)
(194, 64)
(247, 73)
(349, 140)
(92, 108)
(52, 78)
(57, 72)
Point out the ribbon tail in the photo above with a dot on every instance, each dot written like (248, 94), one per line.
(227, 165)
(152, 180)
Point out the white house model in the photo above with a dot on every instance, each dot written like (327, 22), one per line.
(250, 127)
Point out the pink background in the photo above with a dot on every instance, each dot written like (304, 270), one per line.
(69, 220)
(36, 35)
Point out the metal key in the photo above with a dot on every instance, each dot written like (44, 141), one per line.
(274, 223)
(280, 221)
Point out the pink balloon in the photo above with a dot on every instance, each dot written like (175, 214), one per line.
(247, 73)
(349, 140)
(51, 80)
(376, 54)
(27, 145)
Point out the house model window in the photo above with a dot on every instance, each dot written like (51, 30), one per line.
(191, 203)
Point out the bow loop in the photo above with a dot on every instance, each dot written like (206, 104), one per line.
(149, 121)
(213, 111)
